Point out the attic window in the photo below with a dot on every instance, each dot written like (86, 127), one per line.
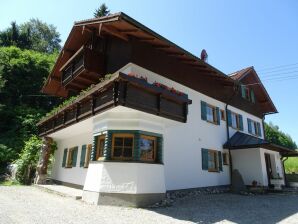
(247, 93)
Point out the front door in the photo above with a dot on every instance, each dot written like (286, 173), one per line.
(268, 168)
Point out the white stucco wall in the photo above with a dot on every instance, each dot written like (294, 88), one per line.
(74, 175)
(124, 177)
(252, 166)
(183, 142)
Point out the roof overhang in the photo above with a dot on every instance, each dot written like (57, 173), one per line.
(244, 141)
(124, 27)
(249, 76)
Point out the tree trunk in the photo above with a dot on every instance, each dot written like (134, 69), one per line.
(42, 167)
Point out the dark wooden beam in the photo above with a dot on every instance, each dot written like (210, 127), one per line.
(129, 31)
(115, 32)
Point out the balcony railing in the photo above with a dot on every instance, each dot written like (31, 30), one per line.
(122, 90)
(85, 64)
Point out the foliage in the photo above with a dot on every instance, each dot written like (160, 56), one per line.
(291, 165)
(28, 160)
(22, 74)
(70, 100)
(276, 136)
(9, 183)
(101, 11)
(34, 35)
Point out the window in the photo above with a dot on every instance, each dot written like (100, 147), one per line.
(235, 120)
(247, 93)
(222, 115)
(210, 113)
(254, 127)
(147, 148)
(122, 146)
(100, 146)
(225, 158)
(211, 160)
(72, 157)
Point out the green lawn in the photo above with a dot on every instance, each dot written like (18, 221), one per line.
(291, 165)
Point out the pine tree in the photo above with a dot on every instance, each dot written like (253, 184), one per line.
(101, 11)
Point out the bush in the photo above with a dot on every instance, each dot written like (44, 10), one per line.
(28, 159)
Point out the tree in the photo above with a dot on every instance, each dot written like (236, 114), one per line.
(101, 11)
(35, 35)
(274, 135)
(22, 75)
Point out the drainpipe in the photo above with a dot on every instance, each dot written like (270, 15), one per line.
(284, 170)
(235, 88)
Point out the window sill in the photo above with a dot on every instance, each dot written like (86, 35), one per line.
(213, 171)
(210, 122)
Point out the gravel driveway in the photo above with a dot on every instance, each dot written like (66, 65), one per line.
(31, 205)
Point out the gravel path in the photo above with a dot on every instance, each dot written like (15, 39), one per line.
(31, 205)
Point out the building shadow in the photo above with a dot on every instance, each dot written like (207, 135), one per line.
(270, 208)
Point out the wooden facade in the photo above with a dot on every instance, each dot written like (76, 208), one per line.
(118, 40)
(125, 91)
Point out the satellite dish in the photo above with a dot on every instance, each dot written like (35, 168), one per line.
(204, 55)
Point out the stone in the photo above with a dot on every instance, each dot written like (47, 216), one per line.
(237, 185)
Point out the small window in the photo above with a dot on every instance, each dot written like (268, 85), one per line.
(211, 114)
(72, 157)
(222, 115)
(100, 146)
(212, 161)
(225, 158)
(88, 155)
(254, 127)
(122, 146)
(147, 148)
(235, 120)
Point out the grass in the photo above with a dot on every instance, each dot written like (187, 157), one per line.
(291, 165)
(9, 183)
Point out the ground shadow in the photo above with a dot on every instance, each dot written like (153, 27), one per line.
(270, 208)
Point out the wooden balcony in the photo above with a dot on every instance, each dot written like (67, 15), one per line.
(121, 90)
(84, 68)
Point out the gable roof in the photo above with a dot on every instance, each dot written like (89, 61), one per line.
(248, 76)
(121, 26)
(244, 141)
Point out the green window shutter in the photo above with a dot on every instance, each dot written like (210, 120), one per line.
(64, 157)
(240, 122)
(252, 96)
(259, 129)
(74, 156)
(217, 115)
(220, 161)
(204, 159)
(249, 125)
(94, 147)
(243, 91)
(83, 155)
(203, 110)
(229, 117)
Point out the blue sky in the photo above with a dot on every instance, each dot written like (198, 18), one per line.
(236, 34)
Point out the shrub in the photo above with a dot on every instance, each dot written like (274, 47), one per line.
(28, 159)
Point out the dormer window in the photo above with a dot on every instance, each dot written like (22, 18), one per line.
(247, 93)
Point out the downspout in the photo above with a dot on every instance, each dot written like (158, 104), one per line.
(235, 88)
(284, 170)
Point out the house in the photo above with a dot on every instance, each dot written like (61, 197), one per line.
(150, 117)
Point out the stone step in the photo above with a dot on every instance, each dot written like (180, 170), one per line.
(62, 190)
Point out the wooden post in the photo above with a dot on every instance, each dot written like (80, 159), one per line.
(42, 167)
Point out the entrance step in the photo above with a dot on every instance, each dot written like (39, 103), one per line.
(62, 190)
